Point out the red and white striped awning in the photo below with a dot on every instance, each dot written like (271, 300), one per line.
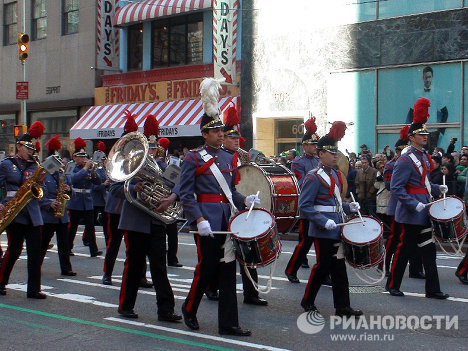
(176, 118)
(149, 9)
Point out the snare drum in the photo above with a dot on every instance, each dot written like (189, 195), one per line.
(449, 224)
(255, 240)
(363, 244)
(279, 192)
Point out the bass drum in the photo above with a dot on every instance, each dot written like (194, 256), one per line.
(278, 188)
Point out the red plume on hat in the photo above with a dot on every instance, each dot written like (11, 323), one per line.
(36, 130)
(164, 142)
(241, 142)
(421, 108)
(101, 146)
(404, 133)
(37, 146)
(337, 130)
(79, 143)
(151, 126)
(310, 126)
(53, 144)
(231, 116)
(130, 125)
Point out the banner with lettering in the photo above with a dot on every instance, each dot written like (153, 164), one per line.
(107, 37)
(225, 39)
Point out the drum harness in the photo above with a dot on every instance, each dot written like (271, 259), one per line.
(340, 254)
(229, 255)
(458, 252)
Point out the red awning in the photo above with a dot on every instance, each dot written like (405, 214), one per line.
(149, 9)
(176, 118)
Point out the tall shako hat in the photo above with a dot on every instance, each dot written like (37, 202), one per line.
(151, 131)
(403, 141)
(80, 148)
(101, 146)
(164, 143)
(130, 124)
(310, 137)
(231, 122)
(53, 145)
(329, 142)
(420, 116)
(35, 131)
(209, 91)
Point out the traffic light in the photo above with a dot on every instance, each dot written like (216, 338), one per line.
(23, 40)
(19, 130)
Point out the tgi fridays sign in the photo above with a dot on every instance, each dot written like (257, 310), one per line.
(107, 37)
(225, 38)
(155, 91)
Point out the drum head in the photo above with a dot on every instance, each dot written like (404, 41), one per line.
(453, 208)
(259, 222)
(252, 180)
(362, 234)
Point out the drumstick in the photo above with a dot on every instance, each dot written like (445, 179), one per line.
(346, 223)
(217, 232)
(433, 202)
(443, 182)
(358, 212)
(251, 206)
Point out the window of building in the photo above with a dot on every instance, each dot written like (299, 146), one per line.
(135, 47)
(10, 20)
(70, 16)
(39, 19)
(7, 139)
(177, 41)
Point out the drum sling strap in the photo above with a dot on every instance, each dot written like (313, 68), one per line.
(419, 167)
(229, 255)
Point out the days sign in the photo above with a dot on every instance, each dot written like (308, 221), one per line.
(107, 37)
(225, 39)
(22, 90)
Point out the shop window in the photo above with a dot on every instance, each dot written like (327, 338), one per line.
(10, 23)
(135, 47)
(39, 19)
(177, 41)
(70, 16)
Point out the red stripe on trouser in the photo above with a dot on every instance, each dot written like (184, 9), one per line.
(464, 268)
(68, 226)
(297, 250)
(396, 254)
(5, 258)
(109, 238)
(196, 278)
(314, 268)
(124, 276)
(391, 236)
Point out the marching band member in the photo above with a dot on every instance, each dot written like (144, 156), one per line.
(301, 166)
(412, 189)
(50, 203)
(144, 236)
(14, 171)
(80, 205)
(415, 262)
(320, 203)
(462, 270)
(231, 145)
(207, 193)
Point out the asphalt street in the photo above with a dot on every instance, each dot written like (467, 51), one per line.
(81, 314)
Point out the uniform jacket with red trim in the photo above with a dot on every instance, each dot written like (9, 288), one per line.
(196, 178)
(49, 188)
(10, 175)
(115, 198)
(315, 191)
(99, 193)
(406, 174)
(302, 165)
(82, 179)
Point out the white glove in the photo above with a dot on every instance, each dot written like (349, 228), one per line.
(330, 225)
(252, 199)
(443, 189)
(354, 206)
(204, 228)
(420, 206)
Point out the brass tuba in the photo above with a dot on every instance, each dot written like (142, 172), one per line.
(129, 159)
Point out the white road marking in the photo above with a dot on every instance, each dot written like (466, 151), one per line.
(456, 299)
(196, 335)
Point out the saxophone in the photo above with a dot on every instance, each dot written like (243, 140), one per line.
(62, 198)
(28, 190)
